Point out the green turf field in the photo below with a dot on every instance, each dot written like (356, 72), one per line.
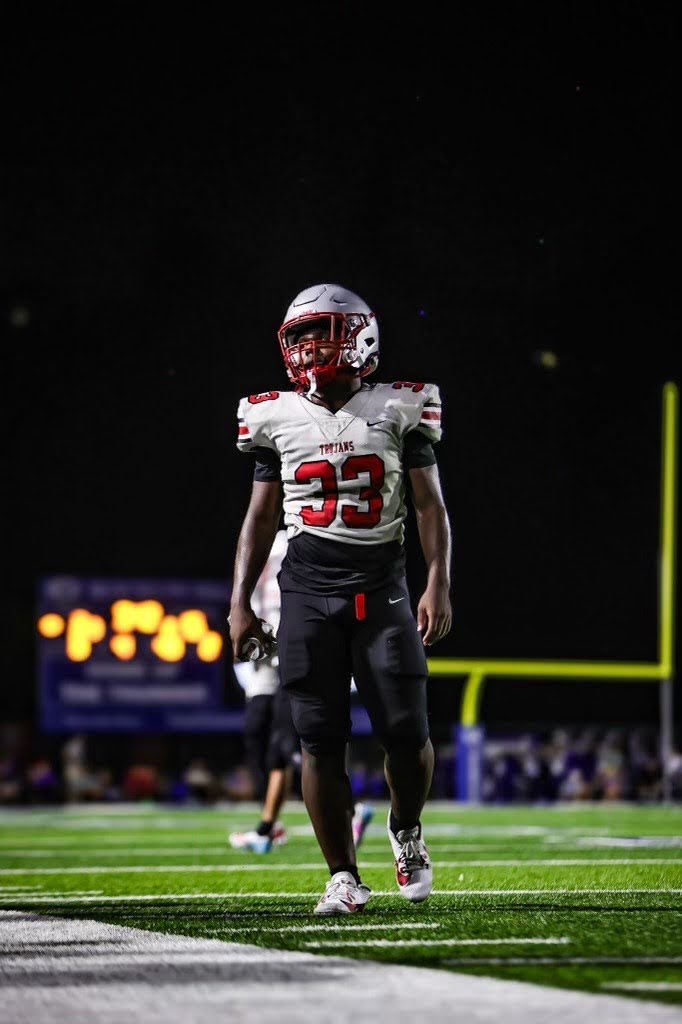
(584, 896)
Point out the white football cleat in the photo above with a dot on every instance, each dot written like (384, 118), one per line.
(343, 895)
(250, 841)
(413, 870)
(362, 815)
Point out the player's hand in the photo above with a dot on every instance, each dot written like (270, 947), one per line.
(244, 624)
(434, 614)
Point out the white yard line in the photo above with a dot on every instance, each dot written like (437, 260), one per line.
(640, 842)
(644, 986)
(7, 898)
(476, 831)
(68, 897)
(129, 851)
(380, 843)
(131, 869)
(168, 979)
(382, 943)
(324, 928)
(113, 839)
(561, 961)
(160, 897)
(551, 892)
(551, 862)
(116, 869)
(555, 862)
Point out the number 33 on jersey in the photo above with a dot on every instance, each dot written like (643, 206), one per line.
(342, 473)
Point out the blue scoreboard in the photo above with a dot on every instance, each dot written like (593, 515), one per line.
(132, 655)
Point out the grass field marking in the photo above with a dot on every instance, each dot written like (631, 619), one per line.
(639, 842)
(160, 897)
(553, 862)
(68, 897)
(4, 898)
(435, 828)
(136, 869)
(308, 866)
(382, 843)
(43, 848)
(323, 928)
(438, 942)
(131, 869)
(126, 851)
(551, 892)
(643, 986)
(561, 961)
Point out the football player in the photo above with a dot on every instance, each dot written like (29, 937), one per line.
(338, 454)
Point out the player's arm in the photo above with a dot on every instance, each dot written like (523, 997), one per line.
(434, 613)
(253, 548)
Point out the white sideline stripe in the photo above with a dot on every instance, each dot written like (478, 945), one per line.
(198, 852)
(379, 844)
(644, 986)
(141, 851)
(561, 961)
(322, 928)
(160, 897)
(173, 851)
(555, 862)
(549, 892)
(165, 979)
(129, 869)
(482, 831)
(115, 869)
(44, 895)
(437, 942)
(639, 842)
(159, 842)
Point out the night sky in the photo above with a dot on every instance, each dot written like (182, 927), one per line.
(494, 189)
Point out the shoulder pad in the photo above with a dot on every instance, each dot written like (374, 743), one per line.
(420, 406)
(253, 415)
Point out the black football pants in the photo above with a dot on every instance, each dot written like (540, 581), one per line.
(323, 641)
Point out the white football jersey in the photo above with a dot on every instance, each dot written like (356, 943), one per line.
(342, 473)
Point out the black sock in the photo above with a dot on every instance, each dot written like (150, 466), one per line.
(350, 868)
(265, 828)
(399, 826)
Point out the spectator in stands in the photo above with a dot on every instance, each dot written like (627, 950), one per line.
(141, 782)
(610, 777)
(674, 772)
(645, 767)
(80, 782)
(42, 783)
(10, 782)
(200, 782)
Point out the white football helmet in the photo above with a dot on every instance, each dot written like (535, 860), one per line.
(341, 336)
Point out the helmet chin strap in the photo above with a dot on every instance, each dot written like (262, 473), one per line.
(319, 379)
(313, 386)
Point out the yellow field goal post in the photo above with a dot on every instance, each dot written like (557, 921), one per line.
(661, 671)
